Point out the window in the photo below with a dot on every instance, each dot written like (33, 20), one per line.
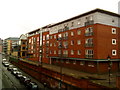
(65, 44)
(29, 40)
(89, 42)
(114, 41)
(43, 37)
(54, 44)
(54, 51)
(113, 30)
(47, 37)
(67, 61)
(89, 31)
(114, 52)
(54, 36)
(37, 38)
(78, 22)
(78, 32)
(89, 53)
(79, 42)
(72, 52)
(82, 62)
(72, 24)
(50, 37)
(50, 44)
(90, 64)
(74, 62)
(79, 52)
(72, 33)
(50, 52)
(72, 42)
(59, 51)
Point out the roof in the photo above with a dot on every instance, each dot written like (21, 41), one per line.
(81, 15)
(87, 13)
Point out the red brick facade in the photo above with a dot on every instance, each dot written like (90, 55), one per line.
(101, 44)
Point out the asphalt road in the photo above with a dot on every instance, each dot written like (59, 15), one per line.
(10, 81)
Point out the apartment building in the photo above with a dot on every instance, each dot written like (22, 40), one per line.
(1, 45)
(23, 46)
(9, 44)
(33, 45)
(84, 42)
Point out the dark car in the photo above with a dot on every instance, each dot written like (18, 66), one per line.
(27, 81)
(22, 79)
(14, 70)
(32, 86)
(9, 68)
(18, 75)
(6, 64)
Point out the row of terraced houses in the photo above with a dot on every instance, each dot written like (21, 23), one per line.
(85, 42)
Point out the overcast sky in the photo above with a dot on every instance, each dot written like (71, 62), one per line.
(21, 16)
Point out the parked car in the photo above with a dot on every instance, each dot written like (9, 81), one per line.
(9, 68)
(18, 75)
(22, 79)
(27, 81)
(32, 86)
(6, 64)
(14, 70)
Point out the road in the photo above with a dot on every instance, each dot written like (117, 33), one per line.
(10, 81)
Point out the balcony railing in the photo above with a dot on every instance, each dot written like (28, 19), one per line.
(89, 22)
(88, 56)
(89, 45)
(62, 55)
(60, 46)
(65, 38)
(89, 34)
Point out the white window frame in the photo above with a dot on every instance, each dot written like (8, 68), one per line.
(78, 42)
(72, 52)
(78, 32)
(78, 52)
(113, 30)
(113, 52)
(72, 33)
(113, 40)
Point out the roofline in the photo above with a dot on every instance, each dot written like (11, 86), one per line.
(87, 13)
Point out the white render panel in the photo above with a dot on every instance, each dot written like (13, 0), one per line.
(106, 19)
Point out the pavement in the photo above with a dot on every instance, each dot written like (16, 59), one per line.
(101, 79)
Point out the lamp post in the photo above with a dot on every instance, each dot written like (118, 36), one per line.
(109, 67)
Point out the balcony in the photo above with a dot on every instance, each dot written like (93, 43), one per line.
(62, 55)
(47, 44)
(89, 34)
(65, 38)
(89, 45)
(89, 56)
(60, 46)
(89, 22)
(66, 28)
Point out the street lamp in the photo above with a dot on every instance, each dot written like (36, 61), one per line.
(109, 66)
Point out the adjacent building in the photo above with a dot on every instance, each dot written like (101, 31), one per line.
(1, 45)
(34, 45)
(23, 46)
(9, 44)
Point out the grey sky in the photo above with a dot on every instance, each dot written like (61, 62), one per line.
(21, 16)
